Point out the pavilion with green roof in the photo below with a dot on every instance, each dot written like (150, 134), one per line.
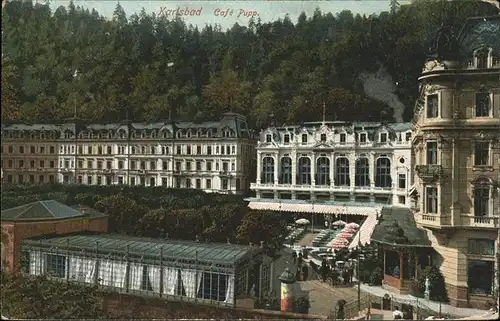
(44, 210)
(405, 247)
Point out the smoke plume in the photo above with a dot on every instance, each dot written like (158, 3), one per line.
(381, 87)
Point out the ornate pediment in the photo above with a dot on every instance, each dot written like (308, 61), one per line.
(322, 145)
(429, 173)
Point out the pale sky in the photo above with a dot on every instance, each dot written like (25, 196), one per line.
(219, 12)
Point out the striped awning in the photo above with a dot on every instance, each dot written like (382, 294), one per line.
(310, 208)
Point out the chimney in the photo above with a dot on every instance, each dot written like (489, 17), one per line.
(261, 244)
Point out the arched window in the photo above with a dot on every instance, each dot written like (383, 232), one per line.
(323, 171)
(285, 170)
(383, 173)
(267, 170)
(304, 171)
(362, 177)
(482, 189)
(342, 172)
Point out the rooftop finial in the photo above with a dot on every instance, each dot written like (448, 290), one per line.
(324, 111)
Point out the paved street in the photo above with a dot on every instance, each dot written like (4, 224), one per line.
(323, 297)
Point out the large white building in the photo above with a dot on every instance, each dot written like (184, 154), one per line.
(335, 161)
(213, 156)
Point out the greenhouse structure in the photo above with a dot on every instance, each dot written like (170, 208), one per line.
(201, 272)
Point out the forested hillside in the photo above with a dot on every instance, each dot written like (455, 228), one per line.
(364, 68)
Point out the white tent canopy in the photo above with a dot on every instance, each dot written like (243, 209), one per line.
(302, 221)
(339, 223)
(353, 225)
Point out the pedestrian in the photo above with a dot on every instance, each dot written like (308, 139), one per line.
(294, 256)
(299, 259)
(305, 272)
(297, 274)
(351, 272)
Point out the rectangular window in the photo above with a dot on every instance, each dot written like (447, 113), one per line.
(401, 180)
(198, 149)
(481, 201)
(431, 197)
(99, 164)
(55, 265)
(362, 138)
(224, 184)
(143, 165)
(209, 166)
(188, 165)
(268, 138)
(304, 139)
(198, 166)
(164, 181)
(432, 106)
(120, 180)
(323, 137)
(108, 180)
(481, 247)
(483, 104)
(209, 150)
(99, 180)
(179, 150)
(120, 164)
(132, 181)
(188, 183)
(198, 183)
(342, 138)
(164, 165)
(32, 149)
(408, 137)
(80, 179)
(432, 153)
(383, 137)
(209, 183)
(89, 180)
(152, 165)
(286, 139)
(152, 181)
(108, 149)
(481, 153)
(188, 150)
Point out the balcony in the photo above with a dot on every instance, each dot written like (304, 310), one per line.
(429, 173)
(479, 221)
(321, 188)
(225, 173)
(433, 220)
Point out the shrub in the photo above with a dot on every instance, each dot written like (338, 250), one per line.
(437, 286)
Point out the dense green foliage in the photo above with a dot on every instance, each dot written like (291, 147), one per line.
(437, 286)
(39, 298)
(161, 212)
(278, 68)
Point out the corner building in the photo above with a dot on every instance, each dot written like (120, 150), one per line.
(456, 150)
(212, 156)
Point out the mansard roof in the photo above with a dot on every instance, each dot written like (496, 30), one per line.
(480, 32)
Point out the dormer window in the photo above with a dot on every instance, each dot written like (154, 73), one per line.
(342, 138)
(143, 135)
(153, 134)
(209, 133)
(483, 104)
(286, 139)
(383, 137)
(110, 135)
(133, 134)
(268, 138)
(179, 134)
(189, 134)
(323, 137)
(432, 106)
(408, 137)
(304, 139)
(481, 58)
(198, 134)
(362, 138)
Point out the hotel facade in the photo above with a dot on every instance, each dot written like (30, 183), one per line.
(211, 156)
(456, 143)
(335, 162)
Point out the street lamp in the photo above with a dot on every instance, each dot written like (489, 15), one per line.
(358, 270)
